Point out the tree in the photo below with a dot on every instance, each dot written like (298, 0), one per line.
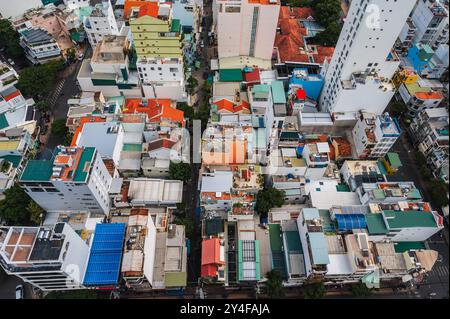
(9, 39)
(438, 192)
(59, 127)
(192, 83)
(181, 171)
(36, 212)
(70, 55)
(267, 199)
(188, 223)
(274, 284)
(314, 290)
(329, 36)
(13, 208)
(188, 110)
(326, 11)
(398, 108)
(42, 106)
(360, 290)
(38, 81)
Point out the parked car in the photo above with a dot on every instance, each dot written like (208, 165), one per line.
(19, 292)
(80, 56)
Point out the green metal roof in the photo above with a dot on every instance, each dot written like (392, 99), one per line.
(381, 167)
(394, 160)
(342, 188)
(83, 169)
(3, 121)
(427, 49)
(278, 93)
(408, 245)
(414, 88)
(213, 226)
(379, 194)
(414, 194)
(261, 91)
(375, 224)
(37, 171)
(293, 242)
(175, 279)
(14, 159)
(127, 147)
(176, 26)
(275, 237)
(409, 219)
(230, 75)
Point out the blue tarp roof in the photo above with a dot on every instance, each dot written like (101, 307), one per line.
(105, 256)
(351, 221)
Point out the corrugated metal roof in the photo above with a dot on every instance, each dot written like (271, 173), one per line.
(105, 255)
(319, 248)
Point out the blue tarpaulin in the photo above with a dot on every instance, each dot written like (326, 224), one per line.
(105, 256)
(351, 221)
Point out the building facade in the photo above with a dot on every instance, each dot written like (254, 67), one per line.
(363, 62)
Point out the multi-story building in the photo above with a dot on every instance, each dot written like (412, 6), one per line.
(246, 28)
(429, 130)
(49, 18)
(49, 258)
(363, 62)
(374, 135)
(419, 96)
(76, 179)
(157, 41)
(39, 46)
(75, 4)
(406, 37)
(8, 76)
(100, 22)
(388, 192)
(110, 69)
(11, 11)
(431, 20)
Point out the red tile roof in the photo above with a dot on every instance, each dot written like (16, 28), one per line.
(229, 106)
(161, 143)
(149, 9)
(252, 77)
(290, 43)
(156, 110)
(210, 257)
(344, 146)
(12, 95)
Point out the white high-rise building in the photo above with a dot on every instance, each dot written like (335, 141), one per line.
(101, 22)
(430, 17)
(48, 257)
(246, 28)
(76, 179)
(359, 75)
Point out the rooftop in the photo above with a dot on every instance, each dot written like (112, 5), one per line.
(230, 75)
(408, 219)
(36, 36)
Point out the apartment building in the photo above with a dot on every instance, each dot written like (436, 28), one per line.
(109, 69)
(157, 40)
(8, 76)
(419, 96)
(375, 135)
(363, 62)
(76, 179)
(246, 28)
(431, 21)
(47, 257)
(100, 22)
(76, 4)
(429, 130)
(39, 46)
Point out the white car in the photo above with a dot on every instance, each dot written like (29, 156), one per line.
(19, 292)
(80, 56)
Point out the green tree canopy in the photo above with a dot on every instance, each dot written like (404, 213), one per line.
(192, 83)
(13, 208)
(38, 81)
(274, 284)
(267, 199)
(59, 127)
(9, 38)
(360, 290)
(398, 108)
(36, 212)
(438, 192)
(181, 171)
(314, 290)
(188, 110)
(42, 106)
